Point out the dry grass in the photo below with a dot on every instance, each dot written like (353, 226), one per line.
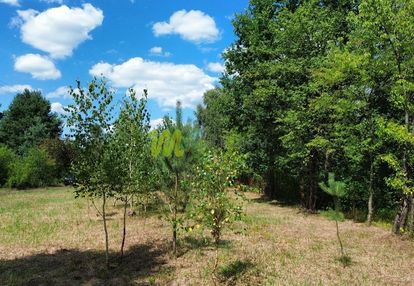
(49, 238)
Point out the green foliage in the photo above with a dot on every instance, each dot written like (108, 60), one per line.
(7, 159)
(335, 188)
(175, 169)
(345, 260)
(216, 116)
(62, 152)
(130, 147)
(35, 169)
(28, 121)
(313, 87)
(214, 208)
(90, 121)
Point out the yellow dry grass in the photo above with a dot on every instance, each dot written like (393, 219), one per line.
(49, 238)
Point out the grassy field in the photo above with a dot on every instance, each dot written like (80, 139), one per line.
(49, 238)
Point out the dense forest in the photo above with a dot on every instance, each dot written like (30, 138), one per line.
(313, 87)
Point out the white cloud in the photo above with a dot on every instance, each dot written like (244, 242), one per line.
(158, 51)
(166, 82)
(57, 107)
(215, 67)
(14, 88)
(194, 26)
(60, 92)
(11, 2)
(58, 31)
(38, 66)
(52, 1)
(154, 123)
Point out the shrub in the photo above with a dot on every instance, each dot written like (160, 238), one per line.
(7, 157)
(36, 169)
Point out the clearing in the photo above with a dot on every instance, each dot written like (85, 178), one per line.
(49, 238)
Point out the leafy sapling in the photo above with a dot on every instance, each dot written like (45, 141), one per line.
(214, 208)
(131, 152)
(90, 121)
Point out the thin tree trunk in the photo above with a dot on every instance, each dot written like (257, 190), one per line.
(411, 215)
(89, 209)
(125, 208)
(339, 238)
(175, 215)
(354, 210)
(401, 216)
(106, 231)
(371, 194)
(216, 261)
(270, 188)
(369, 216)
(124, 227)
(313, 184)
(326, 164)
(302, 192)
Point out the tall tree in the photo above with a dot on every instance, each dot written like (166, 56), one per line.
(270, 75)
(386, 32)
(91, 125)
(28, 121)
(216, 116)
(130, 152)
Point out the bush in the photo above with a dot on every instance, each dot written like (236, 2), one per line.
(7, 157)
(34, 170)
(62, 152)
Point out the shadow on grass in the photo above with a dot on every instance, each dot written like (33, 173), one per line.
(193, 242)
(231, 272)
(264, 199)
(199, 243)
(75, 267)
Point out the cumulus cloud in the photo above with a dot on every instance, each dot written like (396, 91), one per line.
(60, 92)
(215, 67)
(57, 107)
(158, 51)
(58, 31)
(11, 2)
(52, 1)
(38, 66)
(194, 26)
(166, 82)
(14, 88)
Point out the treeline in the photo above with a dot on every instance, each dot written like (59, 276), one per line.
(32, 154)
(317, 87)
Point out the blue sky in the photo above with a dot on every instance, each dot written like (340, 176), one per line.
(172, 48)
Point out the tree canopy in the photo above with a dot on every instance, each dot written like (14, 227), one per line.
(28, 121)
